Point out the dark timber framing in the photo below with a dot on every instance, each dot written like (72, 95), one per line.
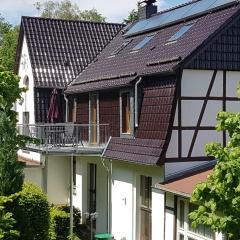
(224, 103)
(202, 113)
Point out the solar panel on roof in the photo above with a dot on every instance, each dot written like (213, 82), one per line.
(171, 16)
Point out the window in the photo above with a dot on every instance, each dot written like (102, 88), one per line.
(94, 118)
(146, 208)
(120, 48)
(92, 187)
(185, 231)
(26, 82)
(181, 32)
(126, 112)
(74, 172)
(143, 43)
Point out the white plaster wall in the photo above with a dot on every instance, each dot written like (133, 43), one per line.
(126, 199)
(209, 116)
(34, 175)
(173, 145)
(233, 106)
(190, 112)
(169, 225)
(80, 198)
(195, 82)
(158, 201)
(233, 79)
(187, 136)
(24, 70)
(58, 179)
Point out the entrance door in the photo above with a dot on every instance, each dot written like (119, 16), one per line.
(93, 119)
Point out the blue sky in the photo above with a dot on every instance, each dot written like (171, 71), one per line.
(113, 10)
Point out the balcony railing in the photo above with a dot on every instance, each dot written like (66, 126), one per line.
(66, 136)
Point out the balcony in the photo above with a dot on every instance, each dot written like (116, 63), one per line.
(67, 138)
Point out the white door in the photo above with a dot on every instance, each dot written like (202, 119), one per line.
(122, 205)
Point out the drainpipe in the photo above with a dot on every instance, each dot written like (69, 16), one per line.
(66, 100)
(71, 197)
(136, 101)
(109, 187)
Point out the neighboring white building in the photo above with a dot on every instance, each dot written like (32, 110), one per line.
(139, 115)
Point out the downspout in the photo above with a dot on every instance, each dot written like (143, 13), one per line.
(109, 185)
(71, 197)
(66, 100)
(136, 101)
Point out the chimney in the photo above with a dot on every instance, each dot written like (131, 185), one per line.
(146, 9)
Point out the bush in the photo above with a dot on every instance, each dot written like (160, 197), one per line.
(32, 213)
(59, 224)
(60, 221)
(7, 222)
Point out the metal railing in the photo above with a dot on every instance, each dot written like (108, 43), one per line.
(66, 135)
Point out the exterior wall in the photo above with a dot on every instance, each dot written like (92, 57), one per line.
(57, 179)
(172, 221)
(80, 198)
(82, 111)
(194, 92)
(34, 175)
(25, 70)
(125, 208)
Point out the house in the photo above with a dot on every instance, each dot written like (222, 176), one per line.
(50, 54)
(143, 111)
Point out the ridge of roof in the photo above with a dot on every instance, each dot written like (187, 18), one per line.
(72, 20)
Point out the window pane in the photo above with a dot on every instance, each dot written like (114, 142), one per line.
(126, 115)
(74, 171)
(146, 193)
(92, 187)
(146, 225)
(142, 43)
(180, 33)
(181, 237)
(181, 217)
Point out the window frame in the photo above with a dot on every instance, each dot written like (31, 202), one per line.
(131, 121)
(91, 95)
(185, 231)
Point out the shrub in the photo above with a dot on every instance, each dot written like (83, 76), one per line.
(7, 222)
(32, 214)
(59, 224)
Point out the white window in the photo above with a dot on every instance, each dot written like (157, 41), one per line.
(184, 229)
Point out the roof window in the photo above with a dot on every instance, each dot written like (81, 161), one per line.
(120, 48)
(181, 32)
(142, 43)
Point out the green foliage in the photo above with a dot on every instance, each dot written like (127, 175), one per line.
(132, 17)
(31, 211)
(67, 10)
(219, 197)
(7, 221)
(8, 43)
(59, 227)
(11, 171)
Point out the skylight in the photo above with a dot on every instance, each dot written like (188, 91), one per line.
(180, 33)
(120, 48)
(143, 43)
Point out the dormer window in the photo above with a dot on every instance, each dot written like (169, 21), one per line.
(120, 48)
(141, 44)
(180, 32)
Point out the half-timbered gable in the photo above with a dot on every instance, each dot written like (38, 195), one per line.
(58, 50)
(179, 77)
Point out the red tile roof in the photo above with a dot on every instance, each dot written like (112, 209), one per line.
(185, 185)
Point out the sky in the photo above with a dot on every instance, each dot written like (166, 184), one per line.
(113, 10)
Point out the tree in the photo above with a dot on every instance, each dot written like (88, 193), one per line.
(67, 10)
(8, 43)
(218, 198)
(132, 17)
(11, 170)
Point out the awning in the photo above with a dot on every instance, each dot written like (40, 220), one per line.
(185, 185)
(29, 162)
